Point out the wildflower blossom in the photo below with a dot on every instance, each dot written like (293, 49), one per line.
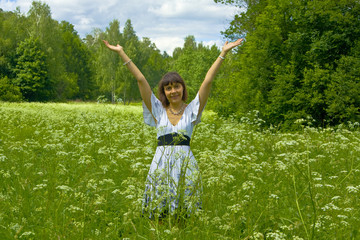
(64, 188)
(352, 189)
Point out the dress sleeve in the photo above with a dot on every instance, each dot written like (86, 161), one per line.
(156, 110)
(193, 109)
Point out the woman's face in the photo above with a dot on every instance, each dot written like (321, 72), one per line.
(174, 92)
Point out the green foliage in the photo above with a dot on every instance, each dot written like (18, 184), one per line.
(67, 59)
(77, 59)
(292, 63)
(342, 94)
(44, 28)
(31, 71)
(8, 91)
(12, 32)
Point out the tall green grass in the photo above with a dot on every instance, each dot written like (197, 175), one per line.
(77, 171)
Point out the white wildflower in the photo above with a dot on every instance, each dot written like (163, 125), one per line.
(235, 208)
(27, 234)
(64, 188)
(6, 174)
(274, 196)
(330, 206)
(109, 181)
(74, 209)
(130, 196)
(28, 165)
(98, 212)
(348, 209)
(99, 200)
(85, 160)
(277, 235)
(280, 165)
(352, 189)
(335, 198)
(248, 185)
(61, 153)
(300, 121)
(105, 168)
(297, 238)
(116, 191)
(257, 236)
(40, 186)
(92, 184)
(333, 226)
(287, 228)
(345, 223)
(2, 158)
(15, 226)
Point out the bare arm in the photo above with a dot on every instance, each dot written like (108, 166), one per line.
(144, 87)
(205, 87)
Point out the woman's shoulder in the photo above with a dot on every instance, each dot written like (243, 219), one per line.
(194, 102)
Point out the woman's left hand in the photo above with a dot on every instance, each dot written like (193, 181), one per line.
(228, 46)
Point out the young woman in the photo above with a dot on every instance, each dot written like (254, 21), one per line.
(173, 184)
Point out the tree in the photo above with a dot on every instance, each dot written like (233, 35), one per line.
(31, 71)
(342, 94)
(107, 63)
(12, 32)
(153, 63)
(131, 43)
(44, 28)
(77, 58)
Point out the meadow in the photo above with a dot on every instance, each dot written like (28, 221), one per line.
(77, 171)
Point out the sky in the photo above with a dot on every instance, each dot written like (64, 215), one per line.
(165, 22)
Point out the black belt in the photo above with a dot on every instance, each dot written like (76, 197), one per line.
(173, 139)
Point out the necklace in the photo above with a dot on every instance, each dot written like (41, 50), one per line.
(177, 113)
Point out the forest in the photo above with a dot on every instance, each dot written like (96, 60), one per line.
(300, 62)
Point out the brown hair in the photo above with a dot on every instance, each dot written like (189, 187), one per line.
(170, 78)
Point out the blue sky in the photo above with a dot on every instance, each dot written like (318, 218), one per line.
(165, 22)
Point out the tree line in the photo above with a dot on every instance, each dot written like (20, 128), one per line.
(300, 60)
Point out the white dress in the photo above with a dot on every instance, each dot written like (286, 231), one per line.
(173, 183)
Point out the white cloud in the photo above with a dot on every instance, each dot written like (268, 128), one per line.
(165, 22)
(200, 9)
(168, 44)
(8, 5)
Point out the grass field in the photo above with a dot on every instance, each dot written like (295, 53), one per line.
(77, 171)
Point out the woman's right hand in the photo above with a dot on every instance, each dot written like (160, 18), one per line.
(116, 48)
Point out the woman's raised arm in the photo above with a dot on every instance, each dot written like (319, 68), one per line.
(205, 87)
(144, 87)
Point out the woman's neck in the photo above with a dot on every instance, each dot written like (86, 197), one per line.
(176, 106)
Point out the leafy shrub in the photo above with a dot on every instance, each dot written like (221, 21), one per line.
(8, 91)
